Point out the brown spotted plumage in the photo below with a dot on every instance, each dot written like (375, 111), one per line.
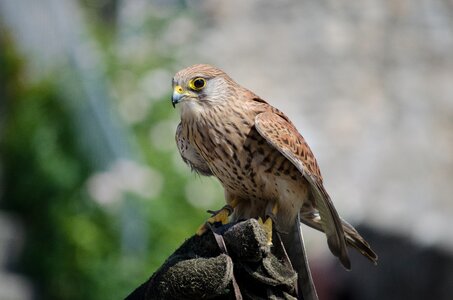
(258, 155)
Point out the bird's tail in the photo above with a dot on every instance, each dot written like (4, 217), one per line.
(294, 246)
(355, 240)
(352, 237)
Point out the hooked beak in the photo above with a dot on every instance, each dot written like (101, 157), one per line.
(178, 94)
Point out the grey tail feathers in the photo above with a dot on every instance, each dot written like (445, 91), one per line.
(355, 240)
(352, 237)
(294, 246)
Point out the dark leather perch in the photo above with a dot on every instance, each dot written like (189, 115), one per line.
(232, 261)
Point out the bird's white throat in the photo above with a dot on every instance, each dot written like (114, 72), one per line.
(190, 109)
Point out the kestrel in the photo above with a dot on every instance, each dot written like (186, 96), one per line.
(264, 164)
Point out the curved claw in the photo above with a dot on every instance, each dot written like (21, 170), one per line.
(220, 215)
(271, 220)
(267, 226)
(227, 207)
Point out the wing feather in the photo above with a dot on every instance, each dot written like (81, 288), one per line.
(280, 133)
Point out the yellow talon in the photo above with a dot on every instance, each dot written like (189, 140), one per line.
(219, 216)
(267, 225)
(268, 228)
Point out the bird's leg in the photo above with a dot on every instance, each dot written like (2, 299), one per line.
(220, 215)
(271, 212)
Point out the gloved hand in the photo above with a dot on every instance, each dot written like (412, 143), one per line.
(229, 262)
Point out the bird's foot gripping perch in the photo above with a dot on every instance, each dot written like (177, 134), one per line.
(267, 226)
(271, 212)
(220, 215)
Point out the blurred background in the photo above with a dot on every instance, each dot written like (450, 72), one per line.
(94, 195)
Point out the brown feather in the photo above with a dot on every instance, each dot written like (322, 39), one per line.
(285, 138)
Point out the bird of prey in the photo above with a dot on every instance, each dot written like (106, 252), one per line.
(267, 169)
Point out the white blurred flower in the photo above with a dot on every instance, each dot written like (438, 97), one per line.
(125, 83)
(133, 102)
(134, 13)
(178, 33)
(134, 49)
(203, 193)
(134, 108)
(162, 135)
(124, 176)
(156, 83)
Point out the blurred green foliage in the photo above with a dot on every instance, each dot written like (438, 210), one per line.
(74, 245)
(71, 243)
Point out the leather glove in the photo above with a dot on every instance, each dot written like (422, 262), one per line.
(232, 261)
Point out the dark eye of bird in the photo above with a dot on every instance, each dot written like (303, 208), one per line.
(199, 83)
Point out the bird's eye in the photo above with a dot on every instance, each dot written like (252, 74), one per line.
(197, 84)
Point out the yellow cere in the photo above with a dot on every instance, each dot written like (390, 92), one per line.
(178, 89)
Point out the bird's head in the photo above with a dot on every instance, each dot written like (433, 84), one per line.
(199, 87)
